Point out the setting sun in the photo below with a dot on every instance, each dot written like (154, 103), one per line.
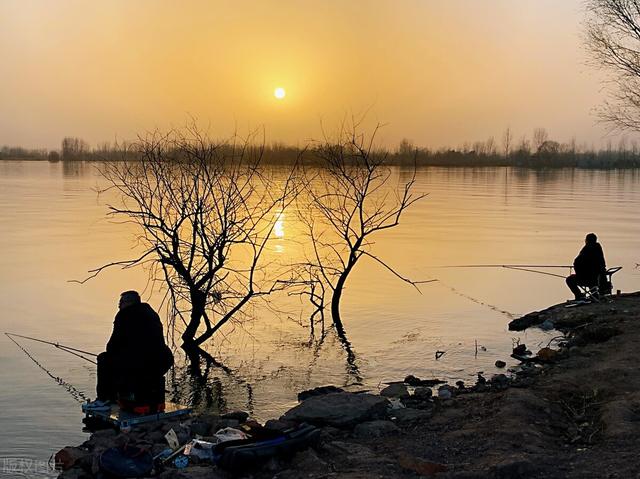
(279, 93)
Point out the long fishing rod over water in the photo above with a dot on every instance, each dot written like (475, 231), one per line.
(519, 267)
(76, 393)
(75, 351)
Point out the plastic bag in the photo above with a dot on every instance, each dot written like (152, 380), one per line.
(229, 434)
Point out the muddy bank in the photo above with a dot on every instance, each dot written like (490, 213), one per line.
(571, 411)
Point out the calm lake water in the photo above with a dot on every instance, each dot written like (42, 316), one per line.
(54, 229)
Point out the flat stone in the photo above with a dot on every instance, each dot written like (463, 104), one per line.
(319, 391)
(376, 429)
(338, 409)
(396, 390)
(411, 380)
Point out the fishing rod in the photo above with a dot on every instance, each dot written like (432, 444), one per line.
(76, 393)
(61, 347)
(519, 267)
(505, 266)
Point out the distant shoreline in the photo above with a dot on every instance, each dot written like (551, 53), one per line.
(403, 162)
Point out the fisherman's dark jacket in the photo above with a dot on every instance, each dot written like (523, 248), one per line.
(137, 340)
(590, 263)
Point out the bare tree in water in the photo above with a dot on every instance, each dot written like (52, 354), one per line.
(613, 37)
(351, 200)
(205, 213)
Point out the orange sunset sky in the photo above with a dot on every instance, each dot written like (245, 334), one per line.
(437, 72)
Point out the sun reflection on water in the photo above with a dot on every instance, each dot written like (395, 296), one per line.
(278, 228)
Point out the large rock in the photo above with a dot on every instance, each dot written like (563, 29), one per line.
(526, 321)
(339, 409)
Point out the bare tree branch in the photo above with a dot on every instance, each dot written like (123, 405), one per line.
(205, 213)
(349, 199)
(613, 38)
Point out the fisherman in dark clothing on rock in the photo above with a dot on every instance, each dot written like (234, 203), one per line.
(136, 359)
(589, 266)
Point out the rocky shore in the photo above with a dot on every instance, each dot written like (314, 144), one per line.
(571, 410)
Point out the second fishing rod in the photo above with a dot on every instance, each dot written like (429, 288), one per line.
(68, 349)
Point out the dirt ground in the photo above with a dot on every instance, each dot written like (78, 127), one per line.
(577, 417)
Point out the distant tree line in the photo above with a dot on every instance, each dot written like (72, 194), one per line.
(539, 151)
(19, 153)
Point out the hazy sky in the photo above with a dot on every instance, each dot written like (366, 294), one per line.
(437, 72)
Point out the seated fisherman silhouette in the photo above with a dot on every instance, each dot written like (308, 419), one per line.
(131, 370)
(589, 267)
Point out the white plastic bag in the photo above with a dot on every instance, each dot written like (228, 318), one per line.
(229, 434)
